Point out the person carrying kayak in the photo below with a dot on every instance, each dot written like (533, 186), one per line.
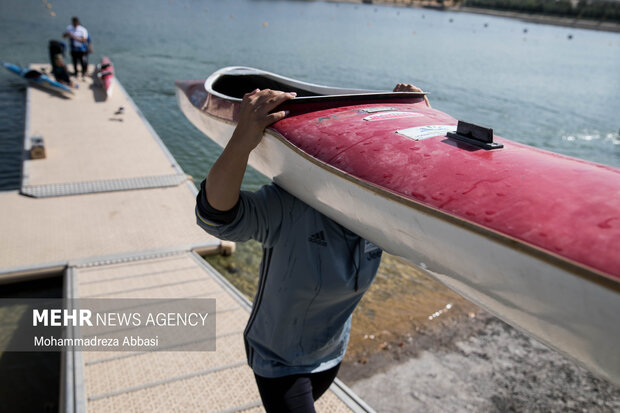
(313, 273)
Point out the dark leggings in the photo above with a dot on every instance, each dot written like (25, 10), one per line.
(82, 58)
(295, 393)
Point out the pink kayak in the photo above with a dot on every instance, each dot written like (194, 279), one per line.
(105, 75)
(530, 235)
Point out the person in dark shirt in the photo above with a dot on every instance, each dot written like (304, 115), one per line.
(59, 70)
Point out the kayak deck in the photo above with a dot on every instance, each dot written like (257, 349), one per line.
(526, 194)
(565, 207)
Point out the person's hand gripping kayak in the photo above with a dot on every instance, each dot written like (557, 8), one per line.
(255, 114)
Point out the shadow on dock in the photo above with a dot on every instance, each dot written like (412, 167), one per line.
(98, 93)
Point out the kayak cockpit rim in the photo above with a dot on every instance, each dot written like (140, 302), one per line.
(231, 83)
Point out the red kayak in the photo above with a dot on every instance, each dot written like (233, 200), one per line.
(105, 75)
(530, 235)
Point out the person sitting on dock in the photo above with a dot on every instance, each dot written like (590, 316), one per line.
(78, 36)
(314, 271)
(59, 69)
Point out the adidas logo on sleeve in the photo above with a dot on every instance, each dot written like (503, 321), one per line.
(318, 238)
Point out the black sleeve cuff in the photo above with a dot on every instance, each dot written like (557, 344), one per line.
(208, 212)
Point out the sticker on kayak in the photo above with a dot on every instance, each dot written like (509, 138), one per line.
(378, 109)
(424, 132)
(391, 115)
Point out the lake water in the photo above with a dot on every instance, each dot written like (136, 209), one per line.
(538, 87)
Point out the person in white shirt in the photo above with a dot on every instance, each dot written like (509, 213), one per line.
(78, 41)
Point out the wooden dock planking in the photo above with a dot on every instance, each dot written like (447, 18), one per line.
(49, 230)
(86, 141)
(113, 213)
(167, 381)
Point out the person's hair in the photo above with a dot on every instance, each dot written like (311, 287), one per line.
(75, 20)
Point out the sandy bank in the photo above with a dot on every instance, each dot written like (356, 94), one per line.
(494, 369)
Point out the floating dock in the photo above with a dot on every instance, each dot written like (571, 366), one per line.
(112, 211)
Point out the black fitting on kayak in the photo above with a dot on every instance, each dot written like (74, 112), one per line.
(475, 135)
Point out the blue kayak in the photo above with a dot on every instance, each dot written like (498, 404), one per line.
(37, 78)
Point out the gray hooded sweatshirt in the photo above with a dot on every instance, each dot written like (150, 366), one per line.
(312, 275)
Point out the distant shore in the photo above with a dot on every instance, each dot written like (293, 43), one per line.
(530, 18)
(545, 19)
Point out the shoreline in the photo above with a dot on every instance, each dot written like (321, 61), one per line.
(544, 19)
(525, 17)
